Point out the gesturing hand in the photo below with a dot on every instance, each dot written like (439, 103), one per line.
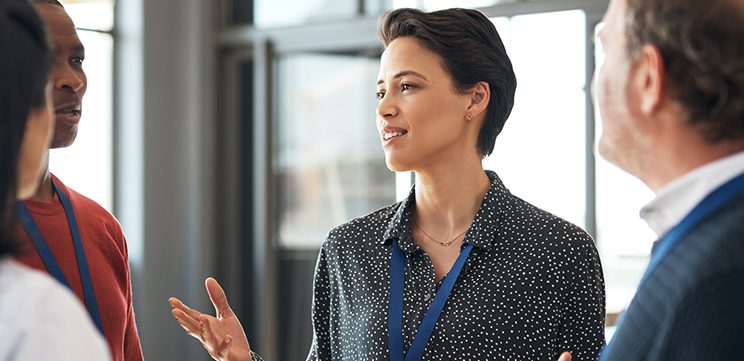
(222, 336)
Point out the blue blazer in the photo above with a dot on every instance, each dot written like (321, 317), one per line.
(692, 305)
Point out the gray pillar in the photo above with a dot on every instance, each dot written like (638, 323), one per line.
(165, 162)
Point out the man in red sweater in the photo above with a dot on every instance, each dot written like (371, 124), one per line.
(72, 237)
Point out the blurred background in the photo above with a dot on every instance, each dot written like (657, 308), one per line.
(229, 136)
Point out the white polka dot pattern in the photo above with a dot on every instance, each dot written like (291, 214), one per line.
(531, 288)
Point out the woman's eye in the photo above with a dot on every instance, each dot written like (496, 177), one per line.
(77, 60)
(405, 87)
(379, 95)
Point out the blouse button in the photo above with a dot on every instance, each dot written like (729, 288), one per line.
(427, 297)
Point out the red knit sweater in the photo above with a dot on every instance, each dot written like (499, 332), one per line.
(106, 251)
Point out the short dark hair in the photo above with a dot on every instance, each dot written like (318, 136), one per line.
(471, 51)
(24, 70)
(702, 45)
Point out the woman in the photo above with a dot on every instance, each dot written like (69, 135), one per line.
(39, 319)
(461, 269)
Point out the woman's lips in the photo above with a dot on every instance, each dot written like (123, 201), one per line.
(391, 134)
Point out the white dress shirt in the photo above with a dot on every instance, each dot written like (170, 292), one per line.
(42, 320)
(678, 198)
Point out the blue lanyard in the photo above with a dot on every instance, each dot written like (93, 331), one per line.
(395, 308)
(51, 263)
(714, 201)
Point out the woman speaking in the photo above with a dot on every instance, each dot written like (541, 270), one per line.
(461, 269)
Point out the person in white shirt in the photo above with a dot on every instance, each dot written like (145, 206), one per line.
(39, 318)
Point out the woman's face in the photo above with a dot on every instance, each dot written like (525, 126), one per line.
(36, 139)
(421, 119)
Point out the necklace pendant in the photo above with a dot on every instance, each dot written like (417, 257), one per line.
(443, 244)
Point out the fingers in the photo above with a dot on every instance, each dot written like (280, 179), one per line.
(566, 356)
(188, 318)
(191, 325)
(205, 331)
(177, 304)
(218, 298)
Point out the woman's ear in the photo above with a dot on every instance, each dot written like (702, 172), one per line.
(480, 95)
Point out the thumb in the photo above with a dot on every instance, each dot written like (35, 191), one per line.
(218, 298)
(566, 356)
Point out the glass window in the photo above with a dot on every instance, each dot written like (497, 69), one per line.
(91, 14)
(269, 13)
(87, 165)
(328, 164)
(540, 154)
(623, 238)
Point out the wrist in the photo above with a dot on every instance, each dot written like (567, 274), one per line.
(241, 354)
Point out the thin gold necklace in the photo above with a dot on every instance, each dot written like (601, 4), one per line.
(443, 244)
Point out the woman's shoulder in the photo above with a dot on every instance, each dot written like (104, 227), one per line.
(520, 217)
(44, 320)
(526, 218)
(553, 241)
(541, 220)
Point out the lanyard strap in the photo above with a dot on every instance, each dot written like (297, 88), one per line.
(51, 263)
(395, 310)
(714, 201)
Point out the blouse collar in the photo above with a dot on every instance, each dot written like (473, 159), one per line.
(482, 232)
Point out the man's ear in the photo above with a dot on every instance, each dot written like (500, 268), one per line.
(649, 79)
(480, 95)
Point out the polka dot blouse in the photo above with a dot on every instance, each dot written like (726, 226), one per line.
(531, 288)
